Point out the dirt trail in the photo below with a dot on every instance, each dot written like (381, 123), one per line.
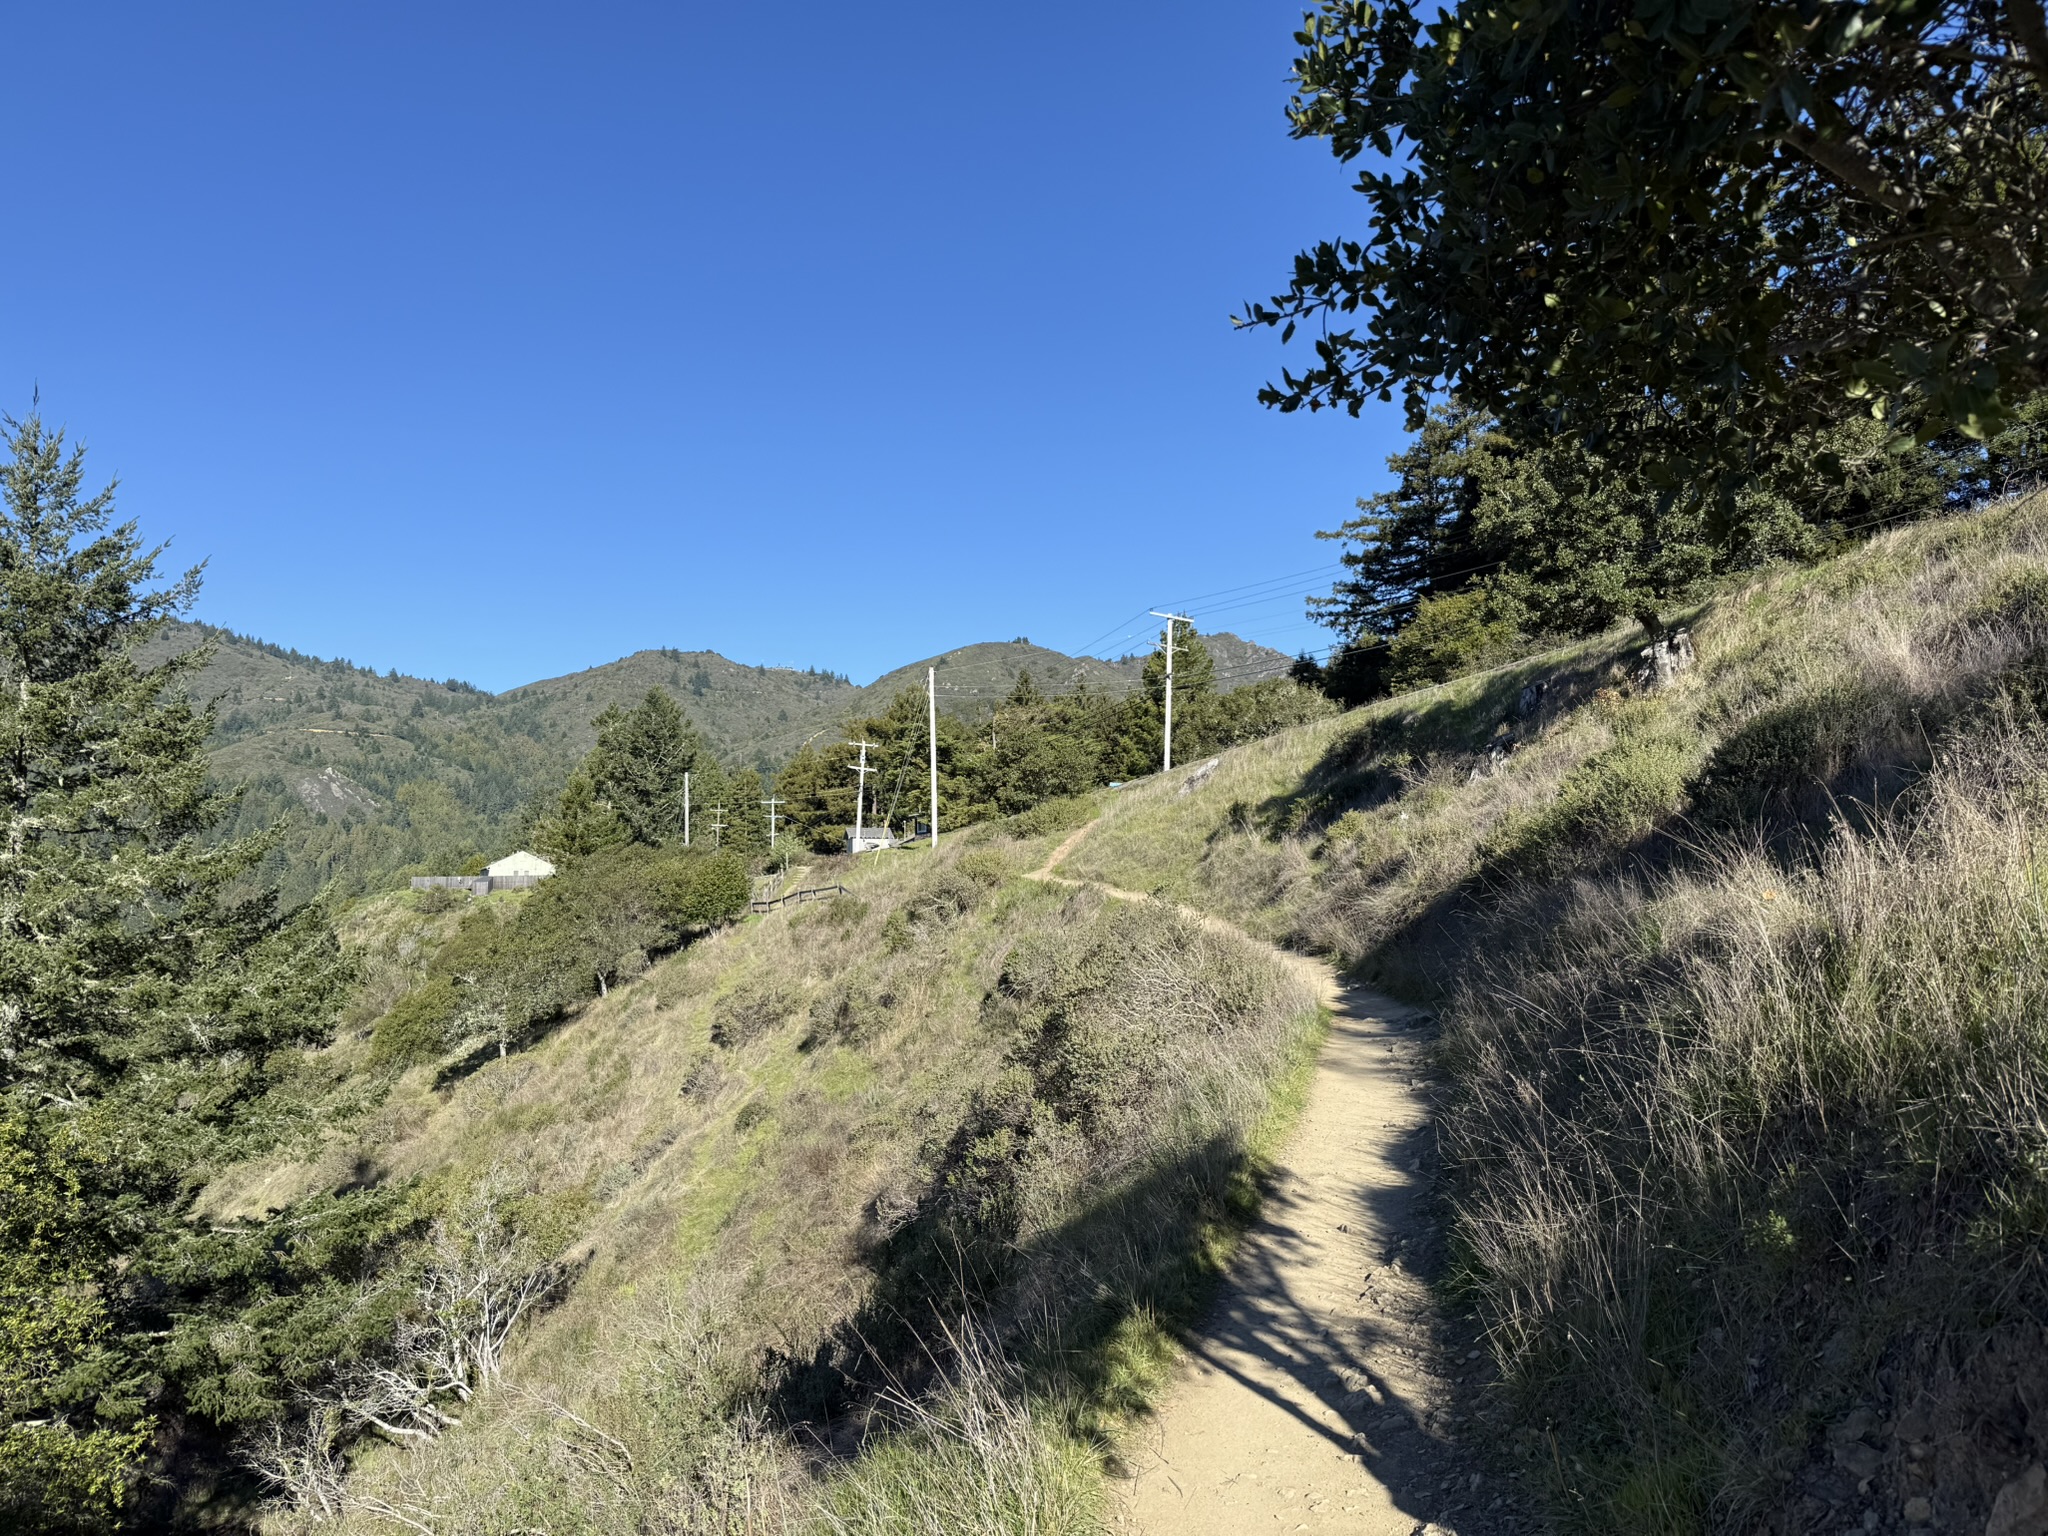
(1318, 1394)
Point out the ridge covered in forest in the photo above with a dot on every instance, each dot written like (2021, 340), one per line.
(378, 772)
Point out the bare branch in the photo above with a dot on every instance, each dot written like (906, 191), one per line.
(1852, 164)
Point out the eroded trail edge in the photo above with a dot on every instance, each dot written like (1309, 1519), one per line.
(1319, 1394)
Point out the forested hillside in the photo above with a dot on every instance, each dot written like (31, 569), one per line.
(378, 773)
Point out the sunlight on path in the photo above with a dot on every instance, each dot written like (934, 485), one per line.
(1310, 1399)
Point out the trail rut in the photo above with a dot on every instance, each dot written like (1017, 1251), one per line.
(1320, 1394)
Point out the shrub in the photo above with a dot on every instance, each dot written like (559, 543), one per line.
(1448, 637)
(583, 930)
(1612, 799)
(853, 1011)
(986, 867)
(939, 898)
(1266, 707)
(699, 891)
(1051, 816)
(749, 1011)
(1802, 745)
(415, 1028)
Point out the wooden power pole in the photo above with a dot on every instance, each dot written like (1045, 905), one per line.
(860, 793)
(1171, 620)
(931, 698)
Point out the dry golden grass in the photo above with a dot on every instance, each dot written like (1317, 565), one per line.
(1743, 994)
(716, 1201)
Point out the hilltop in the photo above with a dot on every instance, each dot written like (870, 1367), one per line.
(377, 772)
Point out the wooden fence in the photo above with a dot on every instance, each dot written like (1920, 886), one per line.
(813, 893)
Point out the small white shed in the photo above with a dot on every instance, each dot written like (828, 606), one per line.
(522, 863)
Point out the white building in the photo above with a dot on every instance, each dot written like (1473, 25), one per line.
(521, 863)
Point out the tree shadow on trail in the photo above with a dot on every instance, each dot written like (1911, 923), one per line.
(1059, 1304)
(1082, 1312)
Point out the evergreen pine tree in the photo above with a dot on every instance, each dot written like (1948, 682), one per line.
(1141, 732)
(818, 798)
(147, 981)
(746, 818)
(639, 763)
(580, 824)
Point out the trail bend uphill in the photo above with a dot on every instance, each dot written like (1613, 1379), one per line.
(1320, 1393)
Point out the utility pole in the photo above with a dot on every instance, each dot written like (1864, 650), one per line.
(1171, 620)
(717, 826)
(860, 793)
(772, 819)
(931, 696)
(686, 808)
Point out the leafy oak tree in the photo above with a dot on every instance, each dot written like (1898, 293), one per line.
(1678, 233)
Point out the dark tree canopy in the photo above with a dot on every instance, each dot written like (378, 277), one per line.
(1699, 227)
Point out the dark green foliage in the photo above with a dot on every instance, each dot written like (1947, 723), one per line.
(941, 897)
(64, 1460)
(1700, 232)
(638, 765)
(514, 969)
(746, 818)
(1050, 816)
(416, 1026)
(816, 819)
(852, 1012)
(1264, 708)
(1489, 544)
(580, 824)
(276, 1310)
(1450, 635)
(1792, 758)
(597, 921)
(149, 983)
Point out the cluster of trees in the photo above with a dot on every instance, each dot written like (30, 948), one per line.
(598, 921)
(1705, 286)
(651, 782)
(1488, 542)
(1033, 746)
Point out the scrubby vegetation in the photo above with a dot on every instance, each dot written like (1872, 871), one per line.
(1739, 980)
(898, 1174)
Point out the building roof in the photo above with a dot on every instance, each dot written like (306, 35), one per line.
(520, 863)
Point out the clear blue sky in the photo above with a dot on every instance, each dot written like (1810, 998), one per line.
(499, 341)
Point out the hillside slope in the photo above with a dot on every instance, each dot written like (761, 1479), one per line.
(898, 1210)
(868, 1215)
(1742, 992)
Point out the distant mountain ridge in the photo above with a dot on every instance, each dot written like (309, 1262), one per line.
(377, 772)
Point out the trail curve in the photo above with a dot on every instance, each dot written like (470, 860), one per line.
(1319, 1393)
